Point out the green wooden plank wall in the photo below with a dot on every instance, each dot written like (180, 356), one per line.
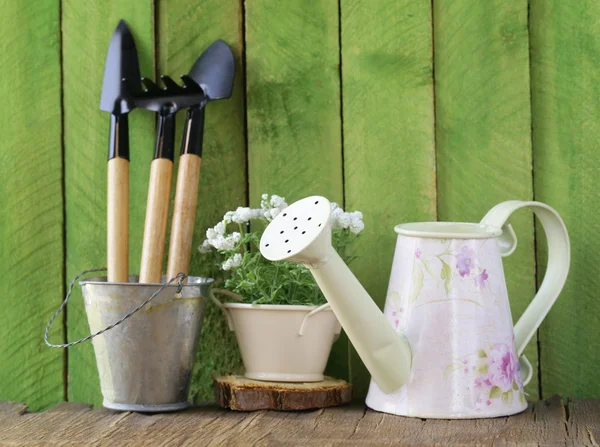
(406, 110)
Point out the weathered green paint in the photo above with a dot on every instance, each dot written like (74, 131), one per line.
(389, 154)
(87, 29)
(222, 175)
(31, 229)
(483, 126)
(293, 107)
(566, 146)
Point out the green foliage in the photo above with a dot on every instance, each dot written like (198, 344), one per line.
(238, 264)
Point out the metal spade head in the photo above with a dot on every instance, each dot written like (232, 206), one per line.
(121, 73)
(214, 71)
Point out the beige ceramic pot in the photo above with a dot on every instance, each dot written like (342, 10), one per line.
(283, 343)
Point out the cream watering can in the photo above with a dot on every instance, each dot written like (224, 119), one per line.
(445, 346)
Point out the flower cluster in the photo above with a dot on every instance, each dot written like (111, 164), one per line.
(217, 238)
(259, 280)
(271, 207)
(497, 375)
(341, 220)
(467, 263)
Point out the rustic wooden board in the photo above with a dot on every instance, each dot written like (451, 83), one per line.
(389, 154)
(566, 111)
(87, 29)
(293, 108)
(31, 230)
(185, 30)
(483, 127)
(242, 394)
(543, 423)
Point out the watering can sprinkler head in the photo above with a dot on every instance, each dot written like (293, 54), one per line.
(302, 233)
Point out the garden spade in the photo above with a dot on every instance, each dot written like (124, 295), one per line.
(121, 83)
(213, 71)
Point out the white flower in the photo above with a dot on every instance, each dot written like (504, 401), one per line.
(341, 220)
(226, 243)
(273, 206)
(205, 247)
(242, 215)
(278, 202)
(356, 223)
(218, 230)
(232, 262)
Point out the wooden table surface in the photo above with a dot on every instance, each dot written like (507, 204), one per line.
(70, 424)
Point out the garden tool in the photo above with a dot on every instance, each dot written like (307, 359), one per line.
(167, 102)
(159, 190)
(213, 71)
(121, 82)
(445, 346)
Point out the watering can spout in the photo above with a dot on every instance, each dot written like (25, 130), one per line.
(302, 233)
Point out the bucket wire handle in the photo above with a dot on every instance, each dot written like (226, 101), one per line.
(219, 304)
(180, 277)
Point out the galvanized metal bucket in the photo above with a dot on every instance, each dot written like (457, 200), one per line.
(145, 362)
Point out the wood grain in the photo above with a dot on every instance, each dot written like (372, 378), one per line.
(87, 30)
(483, 127)
(157, 215)
(31, 227)
(545, 423)
(117, 225)
(185, 30)
(389, 154)
(566, 111)
(184, 215)
(293, 108)
(242, 394)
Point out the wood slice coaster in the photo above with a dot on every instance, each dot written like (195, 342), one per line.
(242, 394)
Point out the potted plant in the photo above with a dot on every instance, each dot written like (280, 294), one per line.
(283, 324)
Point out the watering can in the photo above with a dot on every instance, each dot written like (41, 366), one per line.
(445, 345)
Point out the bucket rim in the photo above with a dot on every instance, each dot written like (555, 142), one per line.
(102, 281)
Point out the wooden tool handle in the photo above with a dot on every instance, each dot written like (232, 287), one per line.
(118, 220)
(155, 228)
(184, 213)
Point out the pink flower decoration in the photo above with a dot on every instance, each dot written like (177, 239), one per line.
(482, 382)
(503, 366)
(418, 253)
(489, 402)
(465, 261)
(481, 279)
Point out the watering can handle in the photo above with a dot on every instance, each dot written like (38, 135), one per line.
(559, 254)
(180, 277)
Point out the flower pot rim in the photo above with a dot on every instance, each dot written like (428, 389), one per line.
(296, 307)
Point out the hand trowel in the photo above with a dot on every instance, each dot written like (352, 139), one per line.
(214, 72)
(121, 83)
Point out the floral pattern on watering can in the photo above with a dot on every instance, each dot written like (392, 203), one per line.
(449, 298)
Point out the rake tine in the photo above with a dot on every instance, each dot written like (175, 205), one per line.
(150, 85)
(170, 84)
(188, 82)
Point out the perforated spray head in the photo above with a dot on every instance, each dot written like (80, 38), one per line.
(302, 233)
